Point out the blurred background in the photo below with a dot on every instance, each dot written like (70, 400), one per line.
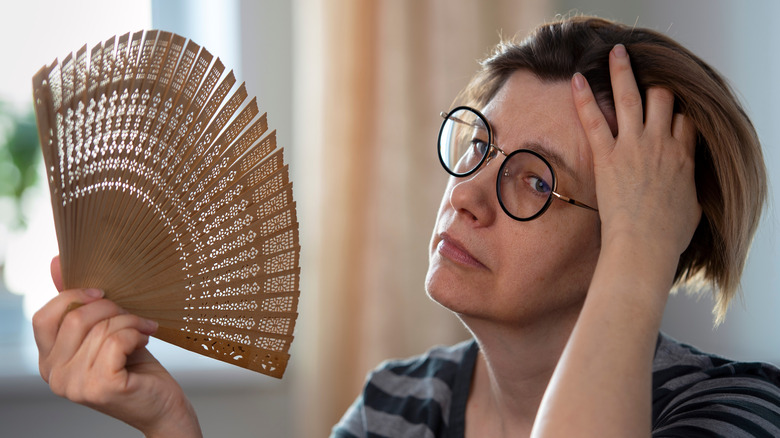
(354, 88)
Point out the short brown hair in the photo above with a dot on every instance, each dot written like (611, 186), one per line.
(730, 173)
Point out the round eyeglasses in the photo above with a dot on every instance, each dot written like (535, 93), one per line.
(526, 183)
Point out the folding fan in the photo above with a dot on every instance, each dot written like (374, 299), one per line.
(169, 194)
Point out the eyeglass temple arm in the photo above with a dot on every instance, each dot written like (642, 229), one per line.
(573, 202)
(445, 116)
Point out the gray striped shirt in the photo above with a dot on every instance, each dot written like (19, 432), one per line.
(694, 395)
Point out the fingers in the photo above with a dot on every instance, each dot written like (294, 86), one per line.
(77, 323)
(96, 330)
(109, 342)
(46, 321)
(644, 176)
(592, 119)
(632, 119)
(98, 361)
(660, 110)
(94, 355)
(103, 350)
(121, 344)
(628, 101)
(684, 130)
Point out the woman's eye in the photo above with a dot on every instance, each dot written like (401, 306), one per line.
(478, 146)
(537, 184)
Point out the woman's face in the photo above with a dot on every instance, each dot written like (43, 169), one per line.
(484, 264)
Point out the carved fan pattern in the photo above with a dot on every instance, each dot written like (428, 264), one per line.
(169, 193)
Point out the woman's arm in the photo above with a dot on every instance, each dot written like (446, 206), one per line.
(649, 211)
(95, 355)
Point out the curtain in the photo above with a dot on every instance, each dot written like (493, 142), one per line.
(370, 78)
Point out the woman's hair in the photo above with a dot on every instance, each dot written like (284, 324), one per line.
(730, 174)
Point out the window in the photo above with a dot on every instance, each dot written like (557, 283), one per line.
(25, 283)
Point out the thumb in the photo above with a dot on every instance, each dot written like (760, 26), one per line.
(56, 273)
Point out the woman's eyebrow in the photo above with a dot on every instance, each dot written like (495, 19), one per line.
(555, 159)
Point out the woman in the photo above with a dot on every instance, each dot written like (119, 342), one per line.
(564, 301)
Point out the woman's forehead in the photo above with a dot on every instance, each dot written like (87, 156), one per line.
(540, 115)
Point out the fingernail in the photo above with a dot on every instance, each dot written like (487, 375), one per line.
(579, 81)
(94, 293)
(620, 51)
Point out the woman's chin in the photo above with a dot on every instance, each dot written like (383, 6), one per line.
(448, 290)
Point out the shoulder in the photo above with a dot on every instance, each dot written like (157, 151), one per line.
(700, 394)
(419, 384)
(408, 397)
(439, 362)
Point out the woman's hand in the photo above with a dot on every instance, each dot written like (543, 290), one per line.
(649, 211)
(95, 355)
(644, 175)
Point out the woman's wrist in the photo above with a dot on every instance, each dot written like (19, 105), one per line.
(656, 254)
(636, 274)
(180, 421)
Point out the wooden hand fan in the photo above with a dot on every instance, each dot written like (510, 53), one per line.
(171, 196)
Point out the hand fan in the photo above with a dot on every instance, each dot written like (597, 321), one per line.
(169, 194)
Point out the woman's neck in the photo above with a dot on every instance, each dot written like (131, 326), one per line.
(512, 372)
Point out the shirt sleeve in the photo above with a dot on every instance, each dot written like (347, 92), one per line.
(351, 424)
(745, 404)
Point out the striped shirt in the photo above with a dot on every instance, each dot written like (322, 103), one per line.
(694, 395)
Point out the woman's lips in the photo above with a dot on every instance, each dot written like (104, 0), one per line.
(451, 250)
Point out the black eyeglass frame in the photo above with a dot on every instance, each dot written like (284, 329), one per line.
(490, 153)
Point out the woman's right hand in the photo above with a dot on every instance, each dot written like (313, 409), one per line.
(95, 355)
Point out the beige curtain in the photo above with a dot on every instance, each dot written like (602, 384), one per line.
(370, 80)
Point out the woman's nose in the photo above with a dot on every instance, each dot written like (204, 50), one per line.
(475, 195)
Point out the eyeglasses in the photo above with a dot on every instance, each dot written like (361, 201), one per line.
(526, 183)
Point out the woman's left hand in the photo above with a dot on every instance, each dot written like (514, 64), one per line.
(645, 174)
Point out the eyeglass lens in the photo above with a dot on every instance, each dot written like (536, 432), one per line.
(525, 185)
(525, 182)
(464, 140)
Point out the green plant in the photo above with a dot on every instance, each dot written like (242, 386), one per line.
(20, 156)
